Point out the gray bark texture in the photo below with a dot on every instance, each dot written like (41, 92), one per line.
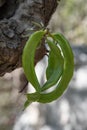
(17, 17)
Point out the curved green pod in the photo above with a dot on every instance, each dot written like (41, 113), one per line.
(55, 66)
(28, 58)
(67, 73)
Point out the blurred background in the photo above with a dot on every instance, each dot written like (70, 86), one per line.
(70, 111)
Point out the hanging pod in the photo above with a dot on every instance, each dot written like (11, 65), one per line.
(67, 72)
(28, 58)
(55, 66)
(59, 71)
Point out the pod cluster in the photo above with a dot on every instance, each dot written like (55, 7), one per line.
(58, 72)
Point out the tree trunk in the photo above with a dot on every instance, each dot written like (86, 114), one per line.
(17, 17)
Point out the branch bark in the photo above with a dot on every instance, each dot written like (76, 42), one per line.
(16, 18)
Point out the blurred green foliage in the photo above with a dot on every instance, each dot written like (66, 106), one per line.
(71, 19)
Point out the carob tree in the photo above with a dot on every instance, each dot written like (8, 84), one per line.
(20, 19)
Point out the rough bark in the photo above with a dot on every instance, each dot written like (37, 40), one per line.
(16, 17)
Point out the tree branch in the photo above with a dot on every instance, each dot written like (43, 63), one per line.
(15, 20)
